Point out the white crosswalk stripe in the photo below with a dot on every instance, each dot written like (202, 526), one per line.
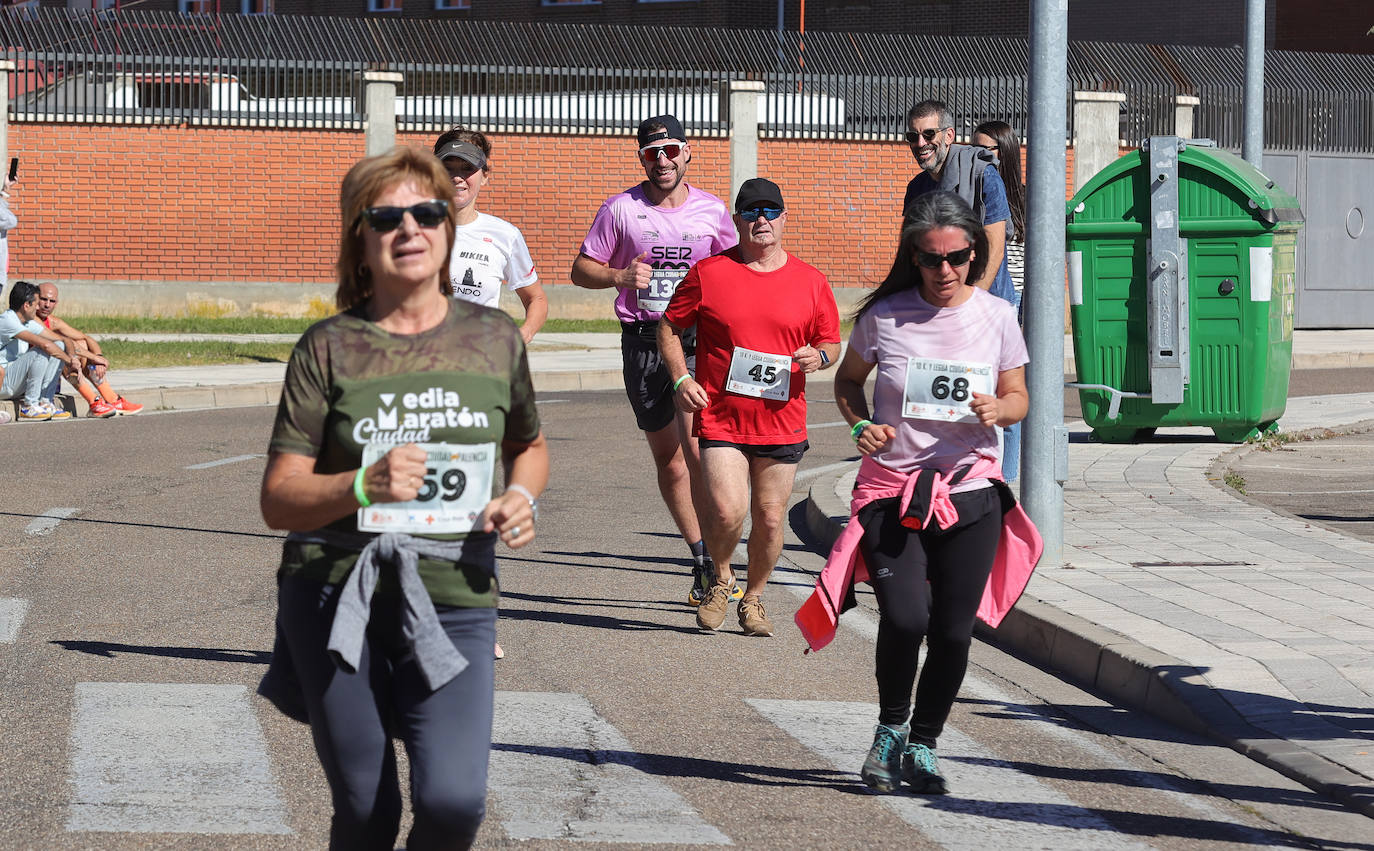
(12, 611)
(222, 461)
(170, 758)
(995, 806)
(561, 771)
(44, 523)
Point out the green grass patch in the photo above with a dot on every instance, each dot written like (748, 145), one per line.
(98, 325)
(124, 354)
(285, 325)
(1235, 481)
(579, 326)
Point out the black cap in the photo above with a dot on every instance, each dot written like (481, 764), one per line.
(672, 129)
(758, 192)
(463, 151)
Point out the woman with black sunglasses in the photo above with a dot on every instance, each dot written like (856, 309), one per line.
(929, 500)
(395, 416)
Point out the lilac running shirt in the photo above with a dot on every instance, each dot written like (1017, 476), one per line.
(676, 238)
(904, 326)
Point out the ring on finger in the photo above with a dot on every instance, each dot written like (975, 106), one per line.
(514, 532)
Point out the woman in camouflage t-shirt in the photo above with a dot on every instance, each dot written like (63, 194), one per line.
(394, 418)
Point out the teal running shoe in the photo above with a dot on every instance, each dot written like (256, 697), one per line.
(921, 771)
(882, 769)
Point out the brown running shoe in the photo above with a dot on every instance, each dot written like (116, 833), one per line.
(752, 618)
(711, 613)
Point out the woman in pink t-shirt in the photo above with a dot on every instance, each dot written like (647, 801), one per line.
(951, 366)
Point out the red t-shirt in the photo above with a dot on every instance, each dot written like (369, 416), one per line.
(774, 313)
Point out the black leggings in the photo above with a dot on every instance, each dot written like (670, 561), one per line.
(929, 583)
(447, 733)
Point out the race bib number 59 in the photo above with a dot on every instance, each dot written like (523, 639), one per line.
(456, 488)
(942, 389)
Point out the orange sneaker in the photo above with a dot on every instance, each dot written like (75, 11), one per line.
(101, 409)
(124, 406)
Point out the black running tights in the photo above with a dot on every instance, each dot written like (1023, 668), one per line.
(929, 583)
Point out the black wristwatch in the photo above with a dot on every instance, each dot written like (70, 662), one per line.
(825, 359)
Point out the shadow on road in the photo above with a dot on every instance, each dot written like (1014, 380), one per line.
(109, 650)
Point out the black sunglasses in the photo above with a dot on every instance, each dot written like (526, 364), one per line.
(769, 213)
(912, 137)
(954, 258)
(427, 214)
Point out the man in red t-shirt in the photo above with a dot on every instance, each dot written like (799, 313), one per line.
(765, 320)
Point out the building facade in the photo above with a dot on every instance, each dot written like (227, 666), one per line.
(1340, 26)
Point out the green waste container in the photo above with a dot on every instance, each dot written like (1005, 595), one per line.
(1182, 261)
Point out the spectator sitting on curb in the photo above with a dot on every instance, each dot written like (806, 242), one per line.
(31, 356)
(108, 403)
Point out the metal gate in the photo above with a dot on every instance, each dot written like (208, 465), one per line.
(1336, 247)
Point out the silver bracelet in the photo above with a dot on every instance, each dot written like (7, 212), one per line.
(525, 492)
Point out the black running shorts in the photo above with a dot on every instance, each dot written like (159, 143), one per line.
(647, 382)
(787, 453)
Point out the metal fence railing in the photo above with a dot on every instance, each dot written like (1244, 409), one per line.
(129, 66)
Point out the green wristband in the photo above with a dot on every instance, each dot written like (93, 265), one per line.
(358, 492)
(678, 383)
(859, 427)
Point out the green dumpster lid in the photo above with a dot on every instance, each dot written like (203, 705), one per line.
(1268, 202)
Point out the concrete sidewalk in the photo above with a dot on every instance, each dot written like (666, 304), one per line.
(1208, 611)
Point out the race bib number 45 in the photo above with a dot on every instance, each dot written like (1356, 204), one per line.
(457, 487)
(942, 389)
(759, 374)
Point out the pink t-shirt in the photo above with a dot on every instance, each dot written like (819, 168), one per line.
(947, 343)
(676, 238)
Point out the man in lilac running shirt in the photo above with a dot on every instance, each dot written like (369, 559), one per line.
(641, 243)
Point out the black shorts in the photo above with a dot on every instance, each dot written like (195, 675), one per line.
(647, 382)
(787, 453)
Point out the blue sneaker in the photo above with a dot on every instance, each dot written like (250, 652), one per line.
(921, 771)
(882, 769)
(35, 413)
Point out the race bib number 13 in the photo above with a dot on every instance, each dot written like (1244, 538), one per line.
(662, 284)
(942, 389)
(759, 374)
(457, 487)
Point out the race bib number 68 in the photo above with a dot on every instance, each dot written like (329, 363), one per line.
(942, 389)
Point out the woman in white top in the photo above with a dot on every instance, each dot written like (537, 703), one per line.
(998, 137)
(486, 250)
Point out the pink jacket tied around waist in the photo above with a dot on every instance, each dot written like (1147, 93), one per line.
(1017, 553)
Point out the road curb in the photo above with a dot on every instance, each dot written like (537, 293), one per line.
(206, 396)
(1129, 673)
(557, 381)
(268, 392)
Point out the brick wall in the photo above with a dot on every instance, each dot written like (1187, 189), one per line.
(184, 204)
(109, 202)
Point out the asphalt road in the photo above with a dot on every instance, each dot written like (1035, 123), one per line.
(143, 581)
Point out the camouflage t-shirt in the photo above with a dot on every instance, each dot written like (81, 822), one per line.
(350, 383)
